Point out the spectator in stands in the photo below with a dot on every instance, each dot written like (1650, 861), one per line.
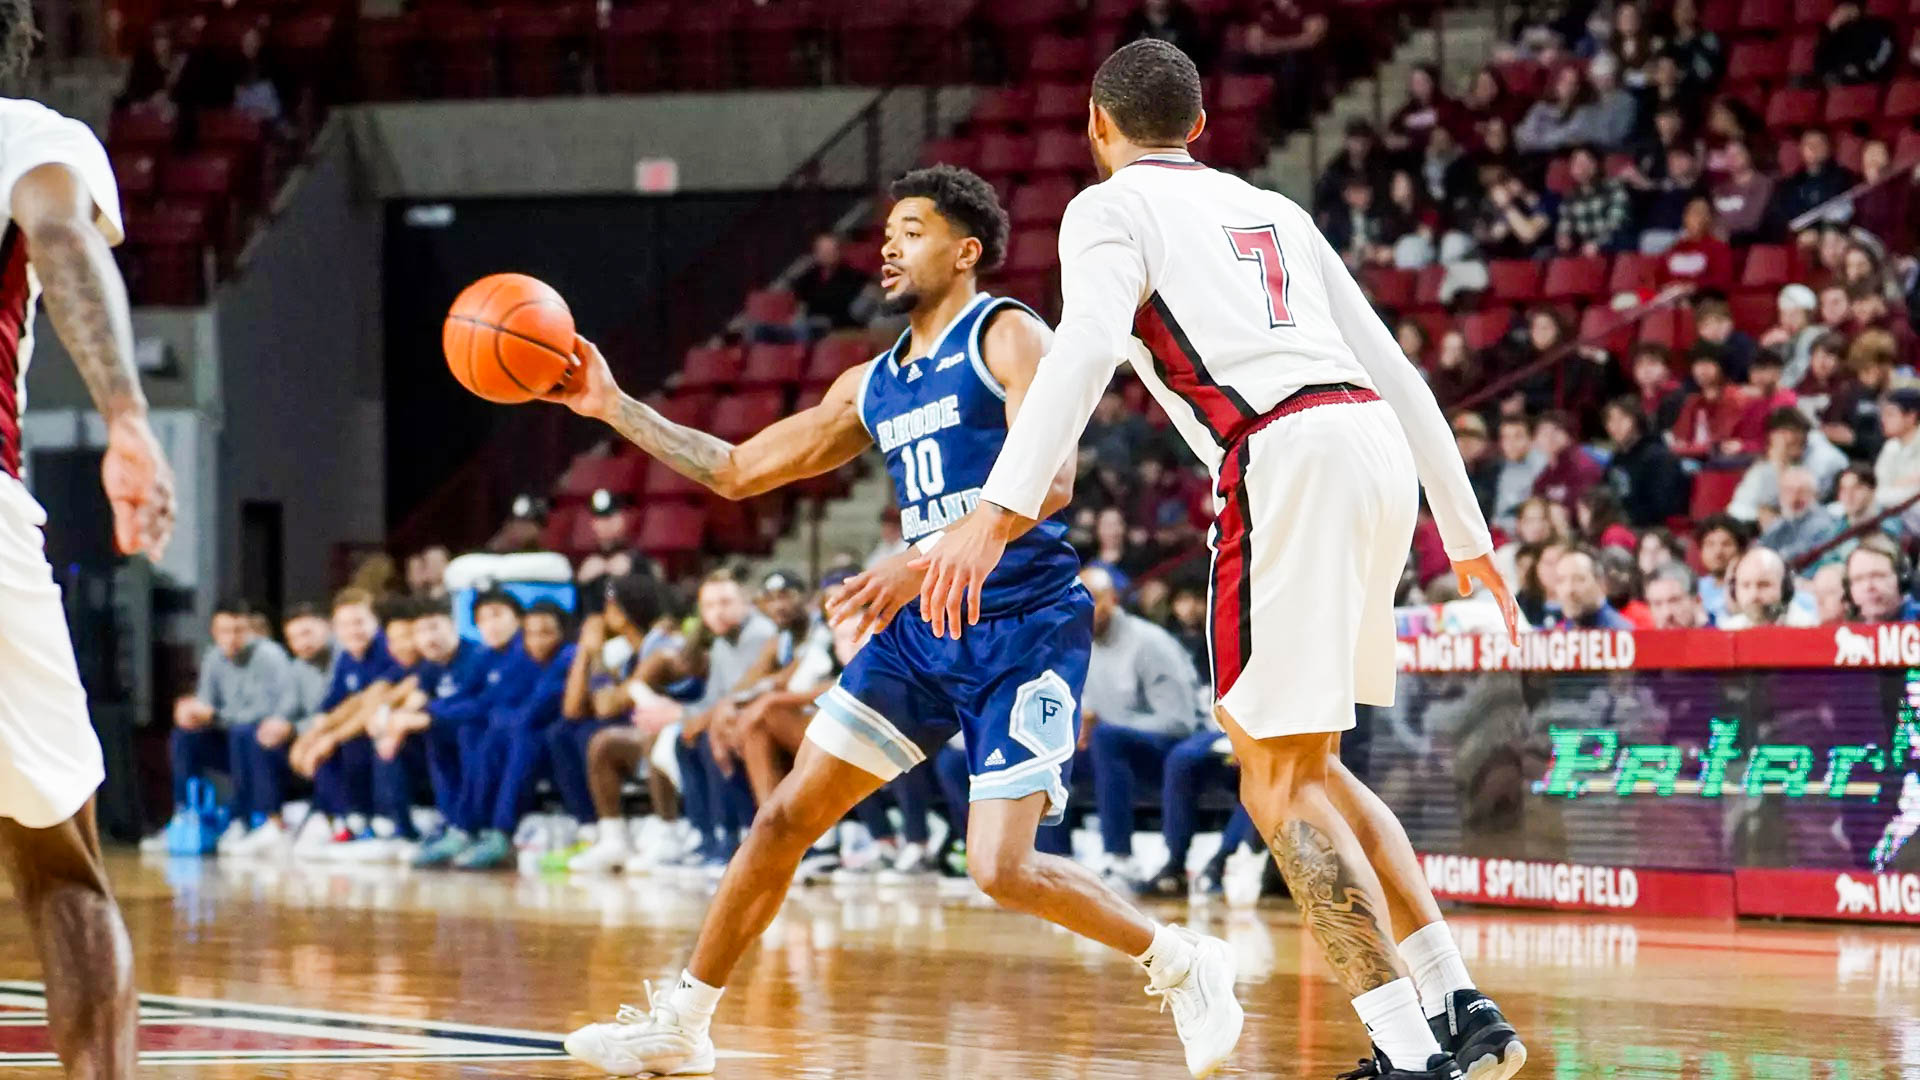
(426, 572)
(1898, 466)
(1455, 372)
(1696, 51)
(1578, 382)
(1644, 473)
(1427, 109)
(1698, 256)
(1536, 592)
(1714, 326)
(1820, 180)
(1803, 525)
(1615, 108)
(1360, 157)
(1792, 336)
(246, 683)
(1583, 595)
(1117, 435)
(1791, 443)
(1875, 573)
(1569, 471)
(1565, 119)
(612, 554)
(1495, 146)
(890, 543)
(1601, 522)
(1355, 229)
(1447, 175)
(504, 753)
(1409, 222)
(1671, 599)
(1854, 48)
(1620, 573)
(1488, 96)
(526, 516)
(1513, 222)
(1113, 549)
(1142, 699)
(1171, 21)
(1284, 40)
(1664, 203)
(1596, 215)
(1830, 593)
(1763, 380)
(1720, 419)
(1867, 305)
(1886, 210)
(1665, 95)
(1836, 307)
(1761, 592)
(1659, 394)
(1658, 547)
(1630, 42)
(1856, 501)
(1719, 539)
(1741, 196)
(1187, 621)
(1873, 358)
(1483, 463)
(1826, 391)
(1521, 463)
(1731, 120)
(1412, 339)
(828, 289)
(255, 92)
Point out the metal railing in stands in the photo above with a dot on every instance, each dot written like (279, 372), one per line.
(533, 444)
(1865, 528)
(1819, 213)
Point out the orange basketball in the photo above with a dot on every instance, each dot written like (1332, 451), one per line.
(509, 338)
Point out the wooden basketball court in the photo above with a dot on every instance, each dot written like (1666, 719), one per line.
(257, 971)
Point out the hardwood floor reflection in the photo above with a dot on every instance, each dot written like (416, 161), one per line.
(377, 973)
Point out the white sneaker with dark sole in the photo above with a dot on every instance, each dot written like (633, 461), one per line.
(1205, 1011)
(637, 1043)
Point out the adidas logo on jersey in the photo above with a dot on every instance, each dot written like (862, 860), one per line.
(950, 360)
(995, 759)
(913, 373)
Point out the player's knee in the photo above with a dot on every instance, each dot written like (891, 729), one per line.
(789, 822)
(1003, 873)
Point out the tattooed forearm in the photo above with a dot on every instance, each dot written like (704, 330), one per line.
(696, 455)
(1336, 909)
(87, 302)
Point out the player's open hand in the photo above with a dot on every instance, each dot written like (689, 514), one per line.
(956, 569)
(1482, 570)
(870, 600)
(590, 389)
(139, 487)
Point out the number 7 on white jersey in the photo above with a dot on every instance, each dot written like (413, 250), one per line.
(1260, 245)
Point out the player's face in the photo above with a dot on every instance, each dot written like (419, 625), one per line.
(231, 634)
(497, 624)
(307, 635)
(434, 637)
(542, 637)
(354, 627)
(922, 256)
(402, 644)
(784, 606)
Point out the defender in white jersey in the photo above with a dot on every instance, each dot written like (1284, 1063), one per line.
(1251, 333)
(59, 214)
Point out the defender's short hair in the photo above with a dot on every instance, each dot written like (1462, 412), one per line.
(1151, 90)
(968, 203)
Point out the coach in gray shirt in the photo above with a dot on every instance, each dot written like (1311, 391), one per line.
(244, 680)
(717, 806)
(1142, 698)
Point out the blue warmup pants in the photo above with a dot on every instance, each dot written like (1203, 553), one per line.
(393, 786)
(567, 759)
(719, 806)
(1120, 754)
(343, 784)
(500, 767)
(1192, 766)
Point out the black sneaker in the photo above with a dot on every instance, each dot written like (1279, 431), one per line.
(1169, 883)
(1479, 1037)
(1439, 1067)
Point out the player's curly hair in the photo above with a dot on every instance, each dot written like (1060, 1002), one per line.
(965, 200)
(17, 37)
(1151, 90)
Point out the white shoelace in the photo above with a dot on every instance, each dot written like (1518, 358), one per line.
(634, 1016)
(1185, 996)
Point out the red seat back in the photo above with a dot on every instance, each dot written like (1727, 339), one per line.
(710, 367)
(774, 365)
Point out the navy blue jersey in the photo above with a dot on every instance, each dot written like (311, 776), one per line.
(940, 419)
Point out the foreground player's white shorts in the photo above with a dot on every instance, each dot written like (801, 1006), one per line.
(49, 756)
(1316, 514)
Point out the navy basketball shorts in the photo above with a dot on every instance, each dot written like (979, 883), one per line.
(1011, 686)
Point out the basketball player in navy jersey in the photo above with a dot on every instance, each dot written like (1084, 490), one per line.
(59, 217)
(937, 404)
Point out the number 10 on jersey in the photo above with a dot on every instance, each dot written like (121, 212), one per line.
(920, 468)
(1261, 246)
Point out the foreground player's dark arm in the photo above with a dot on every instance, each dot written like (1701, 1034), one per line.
(808, 443)
(80, 285)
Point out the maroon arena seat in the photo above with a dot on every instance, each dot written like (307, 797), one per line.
(1389, 286)
(836, 353)
(1575, 278)
(706, 368)
(741, 415)
(1057, 151)
(773, 366)
(1002, 108)
(771, 307)
(1059, 103)
(1515, 281)
(1042, 202)
(672, 528)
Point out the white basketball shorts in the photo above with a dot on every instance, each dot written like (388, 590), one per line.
(49, 756)
(1316, 510)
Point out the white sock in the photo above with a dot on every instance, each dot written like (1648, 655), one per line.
(1434, 960)
(612, 832)
(1169, 958)
(694, 1001)
(1393, 1017)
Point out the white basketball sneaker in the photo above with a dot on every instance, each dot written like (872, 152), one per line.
(639, 1043)
(1205, 1012)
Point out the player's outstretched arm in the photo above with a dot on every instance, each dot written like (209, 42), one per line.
(808, 443)
(87, 301)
